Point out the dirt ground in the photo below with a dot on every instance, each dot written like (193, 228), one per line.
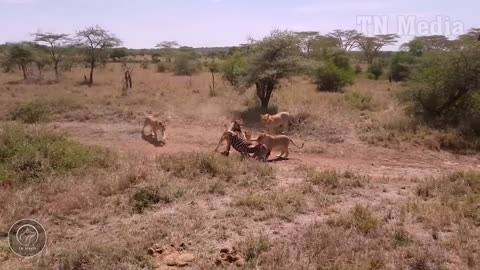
(203, 230)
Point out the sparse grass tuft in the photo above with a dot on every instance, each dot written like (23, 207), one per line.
(401, 238)
(328, 178)
(359, 101)
(194, 165)
(284, 205)
(360, 219)
(449, 199)
(253, 247)
(333, 180)
(31, 154)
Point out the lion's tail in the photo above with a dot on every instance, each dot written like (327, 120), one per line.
(300, 147)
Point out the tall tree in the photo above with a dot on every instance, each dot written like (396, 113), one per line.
(306, 40)
(346, 39)
(168, 47)
(371, 46)
(57, 45)
(420, 45)
(273, 58)
(471, 38)
(20, 54)
(95, 40)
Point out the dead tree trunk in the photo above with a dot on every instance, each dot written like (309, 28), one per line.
(127, 81)
(213, 86)
(24, 70)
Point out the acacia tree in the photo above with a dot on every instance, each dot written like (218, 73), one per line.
(57, 46)
(168, 46)
(472, 37)
(420, 45)
(371, 46)
(95, 40)
(20, 54)
(306, 40)
(346, 39)
(273, 58)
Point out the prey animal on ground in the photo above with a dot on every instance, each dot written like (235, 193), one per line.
(245, 148)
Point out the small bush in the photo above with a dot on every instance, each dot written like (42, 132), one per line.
(332, 78)
(28, 154)
(401, 66)
(143, 199)
(185, 64)
(161, 67)
(30, 113)
(376, 69)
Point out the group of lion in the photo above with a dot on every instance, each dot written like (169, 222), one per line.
(277, 123)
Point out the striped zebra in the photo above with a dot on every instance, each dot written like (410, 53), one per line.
(245, 148)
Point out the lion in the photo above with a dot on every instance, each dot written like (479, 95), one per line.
(278, 142)
(155, 125)
(273, 122)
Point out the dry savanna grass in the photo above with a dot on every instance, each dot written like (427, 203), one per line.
(74, 160)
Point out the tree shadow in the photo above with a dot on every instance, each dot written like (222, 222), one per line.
(251, 116)
(152, 140)
(282, 159)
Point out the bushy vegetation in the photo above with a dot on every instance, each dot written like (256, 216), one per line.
(376, 69)
(332, 78)
(30, 113)
(445, 92)
(28, 154)
(401, 66)
(185, 63)
(233, 68)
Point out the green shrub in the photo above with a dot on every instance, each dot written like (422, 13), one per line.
(185, 64)
(401, 66)
(233, 68)
(31, 154)
(376, 69)
(332, 78)
(30, 113)
(445, 91)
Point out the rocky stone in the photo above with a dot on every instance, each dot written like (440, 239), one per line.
(178, 259)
